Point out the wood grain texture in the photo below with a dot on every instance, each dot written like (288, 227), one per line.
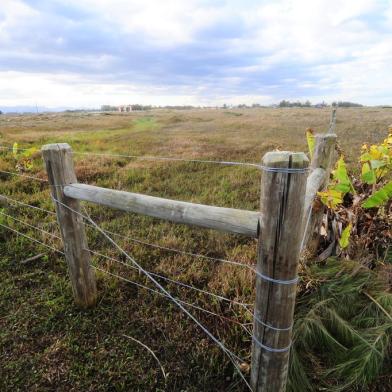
(282, 202)
(60, 169)
(323, 153)
(224, 219)
(314, 183)
(323, 158)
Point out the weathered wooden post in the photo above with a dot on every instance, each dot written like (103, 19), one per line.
(60, 169)
(282, 200)
(323, 153)
(323, 158)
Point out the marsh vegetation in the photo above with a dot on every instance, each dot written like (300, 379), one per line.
(343, 319)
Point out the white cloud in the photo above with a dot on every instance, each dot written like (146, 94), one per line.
(67, 90)
(165, 23)
(13, 13)
(311, 31)
(261, 50)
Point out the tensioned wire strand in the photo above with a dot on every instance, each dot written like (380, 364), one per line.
(244, 305)
(118, 276)
(138, 240)
(220, 297)
(268, 169)
(196, 255)
(160, 158)
(259, 274)
(32, 226)
(239, 359)
(264, 277)
(152, 158)
(31, 238)
(164, 248)
(27, 205)
(149, 276)
(24, 176)
(185, 253)
(286, 170)
(180, 300)
(137, 284)
(227, 163)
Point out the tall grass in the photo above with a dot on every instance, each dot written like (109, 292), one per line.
(343, 329)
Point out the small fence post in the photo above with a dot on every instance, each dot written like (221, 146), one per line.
(60, 169)
(323, 157)
(282, 201)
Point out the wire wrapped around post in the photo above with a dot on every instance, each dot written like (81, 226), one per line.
(282, 200)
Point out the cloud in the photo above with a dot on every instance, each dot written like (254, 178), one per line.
(83, 53)
(164, 23)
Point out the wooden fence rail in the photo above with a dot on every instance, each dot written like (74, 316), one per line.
(287, 193)
(223, 219)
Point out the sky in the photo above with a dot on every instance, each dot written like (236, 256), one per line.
(86, 53)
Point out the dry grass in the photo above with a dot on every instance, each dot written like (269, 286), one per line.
(212, 133)
(47, 343)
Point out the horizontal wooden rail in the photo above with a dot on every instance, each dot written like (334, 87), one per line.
(224, 219)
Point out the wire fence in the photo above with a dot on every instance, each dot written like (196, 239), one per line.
(151, 276)
(162, 285)
(151, 158)
(162, 291)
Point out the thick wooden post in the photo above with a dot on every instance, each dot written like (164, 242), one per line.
(60, 169)
(323, 158)
(282, 201)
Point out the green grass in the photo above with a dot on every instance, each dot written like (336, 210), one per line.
(49, 344)
(145, 124)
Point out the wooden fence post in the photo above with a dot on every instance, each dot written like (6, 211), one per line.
(323, 153)
(323, 158)
(60, 169)
(282, 200)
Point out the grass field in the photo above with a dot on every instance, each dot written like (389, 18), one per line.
(49, 344)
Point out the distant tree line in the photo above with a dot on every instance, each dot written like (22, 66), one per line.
(288, 104)
(109, 108)
(346, 104)
(181, 107)
(308, 104)
(282, 104)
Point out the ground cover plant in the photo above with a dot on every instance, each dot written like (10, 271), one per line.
(359, 215)
(49, 344)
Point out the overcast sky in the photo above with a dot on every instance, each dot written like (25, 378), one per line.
(84, 53)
